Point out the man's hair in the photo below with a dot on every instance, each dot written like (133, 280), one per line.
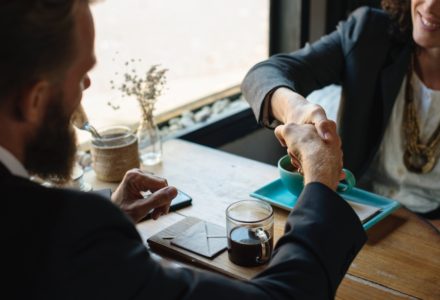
(36, 42)
(400, 13)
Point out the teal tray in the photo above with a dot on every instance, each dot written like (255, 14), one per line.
(276, 194)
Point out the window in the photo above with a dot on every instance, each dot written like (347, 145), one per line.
(208, 46)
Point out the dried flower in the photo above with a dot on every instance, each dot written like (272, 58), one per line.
(146, 88)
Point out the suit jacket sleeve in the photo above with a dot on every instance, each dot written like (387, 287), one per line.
(310, 68)
(109, 260)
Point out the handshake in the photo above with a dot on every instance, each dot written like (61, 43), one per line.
(317, 159)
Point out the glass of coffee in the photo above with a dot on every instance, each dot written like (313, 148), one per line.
(249, 226)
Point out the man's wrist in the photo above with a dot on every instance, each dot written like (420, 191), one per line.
(320, 173)
(325, 181)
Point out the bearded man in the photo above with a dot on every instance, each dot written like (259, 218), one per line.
(66, 244)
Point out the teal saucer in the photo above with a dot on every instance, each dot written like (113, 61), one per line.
(276, 194)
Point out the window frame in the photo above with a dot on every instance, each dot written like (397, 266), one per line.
(281, 29)
(236, 125)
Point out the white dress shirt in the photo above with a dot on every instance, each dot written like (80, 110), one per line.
(12, 163)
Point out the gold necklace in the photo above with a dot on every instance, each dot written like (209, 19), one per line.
(418, 157)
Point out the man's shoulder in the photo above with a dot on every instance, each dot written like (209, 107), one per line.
(65, 205)
(86, 208)
(22, 187)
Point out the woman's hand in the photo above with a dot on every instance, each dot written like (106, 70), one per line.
(290, 107)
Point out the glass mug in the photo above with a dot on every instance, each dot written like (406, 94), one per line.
(249, 227)
(114, 153)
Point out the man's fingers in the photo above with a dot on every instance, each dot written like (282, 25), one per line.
(317, 118)
(326, 130)
(162, 197)
(144, 181)
(157, 202)
(342, 175)
(279, 133)
(157, 212)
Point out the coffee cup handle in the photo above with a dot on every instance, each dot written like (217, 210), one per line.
(265, 247)
(349, 179)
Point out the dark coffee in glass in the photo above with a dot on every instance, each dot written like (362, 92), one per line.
(246, 248)
(249, 225)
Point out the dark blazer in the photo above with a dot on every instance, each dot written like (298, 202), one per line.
(364, 59)
(64, 244)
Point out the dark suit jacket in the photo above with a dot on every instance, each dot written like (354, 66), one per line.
(64, 244)
(364, 59)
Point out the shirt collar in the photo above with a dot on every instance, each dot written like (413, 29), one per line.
(12, 163)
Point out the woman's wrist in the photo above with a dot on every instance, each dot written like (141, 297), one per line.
(285, 105)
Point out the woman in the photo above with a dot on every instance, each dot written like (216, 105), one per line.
(388, 64)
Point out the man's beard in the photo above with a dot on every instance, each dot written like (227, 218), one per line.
(50, 155)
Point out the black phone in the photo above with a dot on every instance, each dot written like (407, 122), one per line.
(180, 201)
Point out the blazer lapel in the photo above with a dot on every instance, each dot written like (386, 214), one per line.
(392, 78)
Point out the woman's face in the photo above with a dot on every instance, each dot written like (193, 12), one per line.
(426, 23)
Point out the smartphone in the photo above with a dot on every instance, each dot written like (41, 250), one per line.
(180, 201)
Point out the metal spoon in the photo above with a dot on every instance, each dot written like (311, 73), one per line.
(80, 121)
(86, 126)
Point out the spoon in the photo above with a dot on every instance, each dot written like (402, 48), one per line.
(80, 121)
(86, 126)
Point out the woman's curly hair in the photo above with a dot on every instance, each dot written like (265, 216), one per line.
(400, 13)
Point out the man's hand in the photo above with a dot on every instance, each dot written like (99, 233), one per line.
(320, 160)
(129, 198)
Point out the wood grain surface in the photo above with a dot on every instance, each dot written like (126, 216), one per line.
(401, 259)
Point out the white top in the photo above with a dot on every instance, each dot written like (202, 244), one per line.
(418, 192)
(12, 164)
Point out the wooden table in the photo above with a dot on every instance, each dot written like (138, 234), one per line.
(401, 259)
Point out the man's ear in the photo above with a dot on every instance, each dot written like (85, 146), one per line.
(33, 102)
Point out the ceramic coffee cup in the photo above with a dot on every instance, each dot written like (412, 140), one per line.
(294, 181)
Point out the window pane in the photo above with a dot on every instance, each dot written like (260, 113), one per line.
(207, 45)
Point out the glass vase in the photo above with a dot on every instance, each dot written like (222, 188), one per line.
(150, 142)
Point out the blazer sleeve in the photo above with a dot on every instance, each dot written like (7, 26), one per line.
(310, 68)
(323, 235)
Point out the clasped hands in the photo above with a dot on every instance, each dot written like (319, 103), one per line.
(311, 139)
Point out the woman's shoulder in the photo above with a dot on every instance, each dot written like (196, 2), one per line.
(365, 23)
(367, 14)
